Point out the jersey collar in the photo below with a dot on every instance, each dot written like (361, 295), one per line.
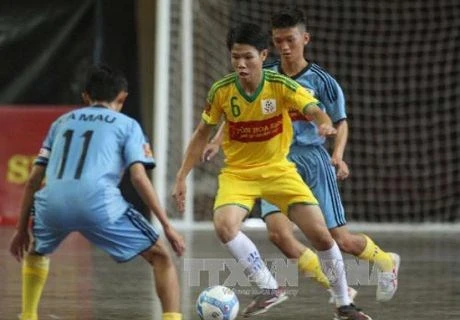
(99, 106)
(250, 98)
(298, 74)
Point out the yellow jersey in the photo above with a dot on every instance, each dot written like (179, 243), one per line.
(258, 129)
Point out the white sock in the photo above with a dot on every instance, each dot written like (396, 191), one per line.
(334, 269)
(246, 253)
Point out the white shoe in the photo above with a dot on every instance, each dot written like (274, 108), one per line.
(388, 281)
(351, 294)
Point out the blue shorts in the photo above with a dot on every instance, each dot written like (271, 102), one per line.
(123, 239)
(314, 165)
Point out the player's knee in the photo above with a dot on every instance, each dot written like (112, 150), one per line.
(158, 254)
(345, 244)
(226, 231)
(274, 237)
(322, 241)
(279, 238)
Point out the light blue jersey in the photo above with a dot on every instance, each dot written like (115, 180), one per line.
(324, 88)
(307, 150)
(86, 153)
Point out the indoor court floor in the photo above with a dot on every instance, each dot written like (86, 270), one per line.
(85, 284)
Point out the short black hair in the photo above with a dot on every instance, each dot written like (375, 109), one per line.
(104, 83)
(250, 34)
(288, 17)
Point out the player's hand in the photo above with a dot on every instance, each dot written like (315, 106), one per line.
(179, 191)
(19, 244)
(176, 240)
(209, 152)
(326, 130)
(341, 168)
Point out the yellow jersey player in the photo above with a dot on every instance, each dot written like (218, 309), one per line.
(319, 170)
(255, 104)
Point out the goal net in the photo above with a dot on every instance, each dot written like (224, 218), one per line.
(398, 64)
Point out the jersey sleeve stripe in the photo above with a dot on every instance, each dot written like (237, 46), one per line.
(304, 110)
(206, 119)
(228, 79)
(41, 162)
(273, 77)
(327, 81)
(147, 165)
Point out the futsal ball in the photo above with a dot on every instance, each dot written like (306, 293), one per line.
(217, 303)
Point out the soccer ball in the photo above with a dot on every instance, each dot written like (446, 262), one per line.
(217, 303)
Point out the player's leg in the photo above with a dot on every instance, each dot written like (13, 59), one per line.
(35, 269)
(133, 235)
(314, 166)
(310, 220)
(324, 186)
(227, 222)
(364, 248)
(233, 202)
(294, 197)
(166, 279)
(280, 233)
(35, 266)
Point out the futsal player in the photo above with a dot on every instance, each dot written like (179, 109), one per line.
(257, 136)
(83, 158)
(318, 169)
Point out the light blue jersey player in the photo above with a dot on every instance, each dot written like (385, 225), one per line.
(319, 170)
(85, 153)
(307, 150)
(83, 158)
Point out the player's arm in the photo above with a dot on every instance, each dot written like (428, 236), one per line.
(333, 100)
(33, 184)
(148, 194)
(213, 146)
(20, 241)
(191, 159)
(303, 101)
(321, 119)
(219, 136)
(340, 142)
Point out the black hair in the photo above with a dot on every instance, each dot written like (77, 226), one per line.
(104, 83)
(288, 17)
(250, 34)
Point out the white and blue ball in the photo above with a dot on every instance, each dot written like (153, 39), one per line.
(217, 303)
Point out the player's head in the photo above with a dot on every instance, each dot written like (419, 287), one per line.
(248, 46)
(105, 85)
(249, 34)
(289, 33)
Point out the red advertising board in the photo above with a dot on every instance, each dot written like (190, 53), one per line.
(22, 130)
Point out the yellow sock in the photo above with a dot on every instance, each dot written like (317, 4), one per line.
(373, 253)
(34, 274)
(309, 264)
(172, 316)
